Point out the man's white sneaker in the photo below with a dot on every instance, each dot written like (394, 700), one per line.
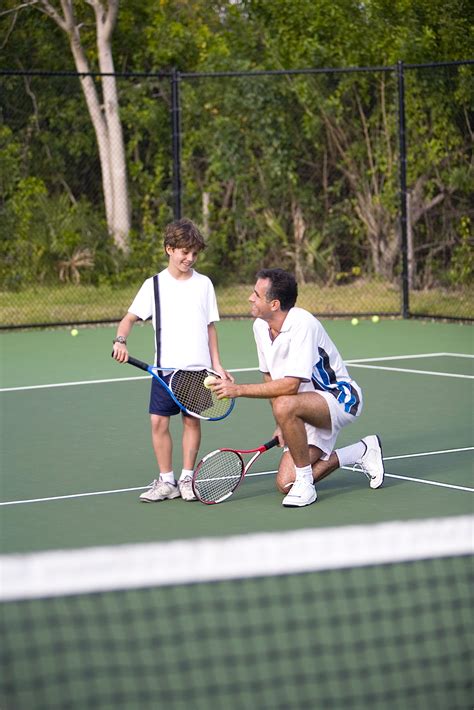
(301, 493)
(371, 462)
(185, 486)
(160, 490)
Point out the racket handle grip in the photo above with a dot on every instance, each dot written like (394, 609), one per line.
(270, 444)
(136, 363)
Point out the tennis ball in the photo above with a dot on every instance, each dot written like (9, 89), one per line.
(355, 321)
(208, 381)
(375, 319)
(74, 332)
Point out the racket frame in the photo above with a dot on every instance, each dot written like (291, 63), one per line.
(244, 468)
(153, 371)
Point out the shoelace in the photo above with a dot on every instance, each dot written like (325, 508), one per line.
(359, 468)
(186, 481)
(156, 481)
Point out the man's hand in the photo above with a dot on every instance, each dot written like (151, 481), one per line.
(225, 388)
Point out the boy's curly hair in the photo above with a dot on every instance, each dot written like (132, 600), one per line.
(183, 234)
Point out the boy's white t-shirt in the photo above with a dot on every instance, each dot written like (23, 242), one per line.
(187, 307)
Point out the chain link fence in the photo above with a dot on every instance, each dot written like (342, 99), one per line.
(360, 181)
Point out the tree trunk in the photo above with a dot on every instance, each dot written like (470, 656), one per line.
(105, 22)
(105, 119)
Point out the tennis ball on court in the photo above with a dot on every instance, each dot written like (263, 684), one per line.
(208, 381)
(355, 321)
(375, 319)
(74, 332)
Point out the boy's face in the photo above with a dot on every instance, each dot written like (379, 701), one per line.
(181, 258)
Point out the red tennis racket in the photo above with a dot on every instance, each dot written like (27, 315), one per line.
(220, 473)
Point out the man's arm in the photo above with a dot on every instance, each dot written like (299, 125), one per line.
(264, 390)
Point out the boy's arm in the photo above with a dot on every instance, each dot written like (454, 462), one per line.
(120, 351)
(214, 352)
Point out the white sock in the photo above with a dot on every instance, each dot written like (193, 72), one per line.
(167, 477)
(186, 473)
(304, 473)
(350, 454)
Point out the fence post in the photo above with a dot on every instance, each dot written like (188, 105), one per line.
(403, 190)
(176, 142)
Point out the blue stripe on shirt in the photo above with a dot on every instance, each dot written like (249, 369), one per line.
(324, 378)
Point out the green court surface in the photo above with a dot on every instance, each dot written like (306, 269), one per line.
(361, 601)
(76, 449)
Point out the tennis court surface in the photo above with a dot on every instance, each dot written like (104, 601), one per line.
(363, 600)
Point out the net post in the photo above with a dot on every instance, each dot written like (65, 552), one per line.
(405, 305)
(176, 142)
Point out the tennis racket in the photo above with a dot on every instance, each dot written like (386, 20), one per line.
(220, 473)
(186, 388)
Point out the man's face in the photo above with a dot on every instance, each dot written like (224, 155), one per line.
(260, 306)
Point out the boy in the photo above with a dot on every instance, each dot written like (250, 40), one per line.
(188, 337)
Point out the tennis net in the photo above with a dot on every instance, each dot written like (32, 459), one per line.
(351, 617)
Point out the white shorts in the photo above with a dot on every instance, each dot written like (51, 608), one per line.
(325, 439)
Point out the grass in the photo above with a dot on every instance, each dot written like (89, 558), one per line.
(70, 304)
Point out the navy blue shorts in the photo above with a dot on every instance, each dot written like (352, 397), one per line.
(160, 401)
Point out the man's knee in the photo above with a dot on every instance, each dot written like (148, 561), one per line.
(283, 407)
(285, 481)
(286, 473)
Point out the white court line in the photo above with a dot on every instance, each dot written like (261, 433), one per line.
(409, 357)
(97, 382)
(354, 363)
(94, 382)
(412, 372)
(431, 483)
(264, 473)
(392, 475)
(428, 453)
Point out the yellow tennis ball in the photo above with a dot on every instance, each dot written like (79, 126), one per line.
(375, 319)
(208, 381)
(355, 321)
(74, 332)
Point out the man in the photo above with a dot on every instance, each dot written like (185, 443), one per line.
(311, 392)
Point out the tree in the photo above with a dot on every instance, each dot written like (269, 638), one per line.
(103, 110)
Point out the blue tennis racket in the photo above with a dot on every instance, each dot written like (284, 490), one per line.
(186, 388)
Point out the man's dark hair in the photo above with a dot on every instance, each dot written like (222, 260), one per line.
(283, 287)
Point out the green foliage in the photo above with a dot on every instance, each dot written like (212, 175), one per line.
(461, 272)
(300, 171)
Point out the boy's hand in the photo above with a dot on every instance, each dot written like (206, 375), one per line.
(120, 352)
(224, 374)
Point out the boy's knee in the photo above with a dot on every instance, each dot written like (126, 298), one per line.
(159, 424)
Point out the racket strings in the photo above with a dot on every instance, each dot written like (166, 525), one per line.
(188, 387)
(218, 476)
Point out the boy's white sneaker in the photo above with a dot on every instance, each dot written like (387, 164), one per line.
(185, 486)
(160, 490)
(301, 493)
